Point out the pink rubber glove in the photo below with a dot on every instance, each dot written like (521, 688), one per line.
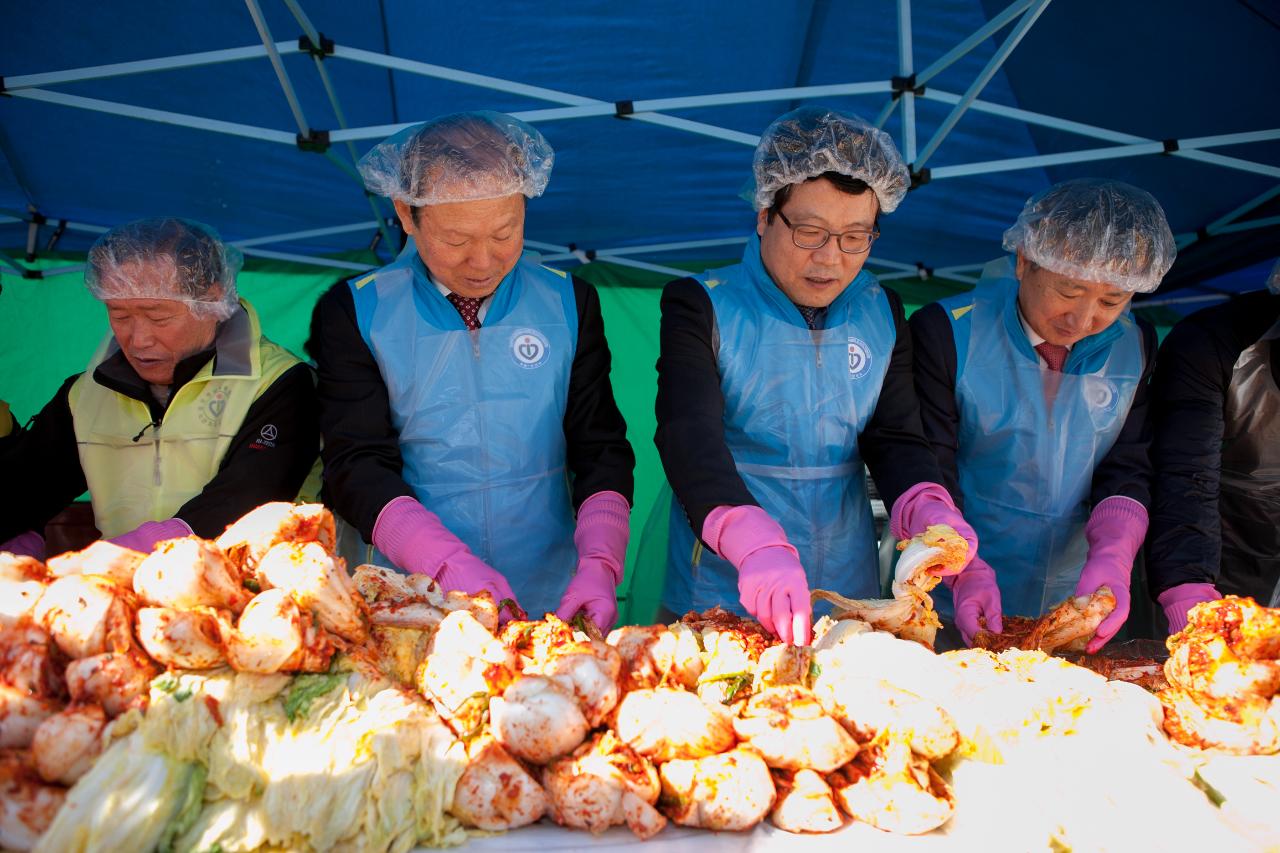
(929, 503)
(145, 536)
(417, 541)
(1177, 602)
(771, 582)
(601, 538)
(1115, 532)
(29, 544)
(976, 594)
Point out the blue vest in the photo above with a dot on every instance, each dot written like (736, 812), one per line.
(480, 414)
(795, 402)
(1026, 459)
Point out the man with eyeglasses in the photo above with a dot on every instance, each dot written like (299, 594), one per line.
(1033, 392)
(780, 377)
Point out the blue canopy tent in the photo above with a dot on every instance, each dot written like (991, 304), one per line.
(249, 116)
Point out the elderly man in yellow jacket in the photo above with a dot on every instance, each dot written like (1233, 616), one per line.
(186, 416)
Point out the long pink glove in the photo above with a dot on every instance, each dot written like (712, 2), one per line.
(29, 544)
(771, 582)
(145, 536)
(601, 538)
(976, 595)
(1177, 602)
(1115, 532)
(929, 503)
(417, 541)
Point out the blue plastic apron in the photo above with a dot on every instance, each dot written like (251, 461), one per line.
(1027, 454)
(480, 414)
(795, 403)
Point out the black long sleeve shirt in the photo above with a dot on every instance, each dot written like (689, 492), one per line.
(43, 458)
(362, 461)
(1197, 359)
(691, 411)
(1124, 470)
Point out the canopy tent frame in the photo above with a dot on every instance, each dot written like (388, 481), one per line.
(1021, 14)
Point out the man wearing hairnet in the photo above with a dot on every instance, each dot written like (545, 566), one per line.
(780, 376)
(470, 429)
(186, 418)
(1033, 392)
(1215, 520)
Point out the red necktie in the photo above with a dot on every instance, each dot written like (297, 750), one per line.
(1054, 355)
(468, 307)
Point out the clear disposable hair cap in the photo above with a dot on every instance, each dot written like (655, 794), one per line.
(460, 157)
(166, 258)
(810, 141)
(1095, 230)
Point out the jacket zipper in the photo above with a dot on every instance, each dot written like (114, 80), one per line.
(155, 438)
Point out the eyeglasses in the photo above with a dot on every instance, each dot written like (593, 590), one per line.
(813, 237)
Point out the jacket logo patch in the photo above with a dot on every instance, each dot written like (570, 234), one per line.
(213, 404)
(266, 437)
(530, 348)
(859, 358)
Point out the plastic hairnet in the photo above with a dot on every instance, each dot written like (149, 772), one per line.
(809, 141)
(166, 258)
(1273, 280)
(1095, 230)
(460, 157)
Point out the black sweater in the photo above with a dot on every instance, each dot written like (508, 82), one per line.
(1190, 387)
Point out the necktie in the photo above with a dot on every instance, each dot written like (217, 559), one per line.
(468, 307)
(812, 316)
(1054, 355)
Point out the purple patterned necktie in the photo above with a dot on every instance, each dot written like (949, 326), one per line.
(468, 307)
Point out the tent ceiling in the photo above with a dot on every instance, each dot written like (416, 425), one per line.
(197, 111)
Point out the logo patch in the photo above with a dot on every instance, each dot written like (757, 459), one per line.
(859, 358)
(529, 348)
(213, 404)
(266, 437)
(1099, 393)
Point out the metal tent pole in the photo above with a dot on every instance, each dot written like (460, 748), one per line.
(161, 116)
(1247, 225)
(12, 264)
(885, 112)
(1002, 53)
(908, 96)
(1216, 226)
(653, 248)
(1187, 147)
(68, 270)
(305, 235)
(304, 129)
(1246, 207)
(978, 37)
(317, 40)
(308, 259)
(98, 72)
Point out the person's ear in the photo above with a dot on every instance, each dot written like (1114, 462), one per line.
(405, 213)
(762, 219)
